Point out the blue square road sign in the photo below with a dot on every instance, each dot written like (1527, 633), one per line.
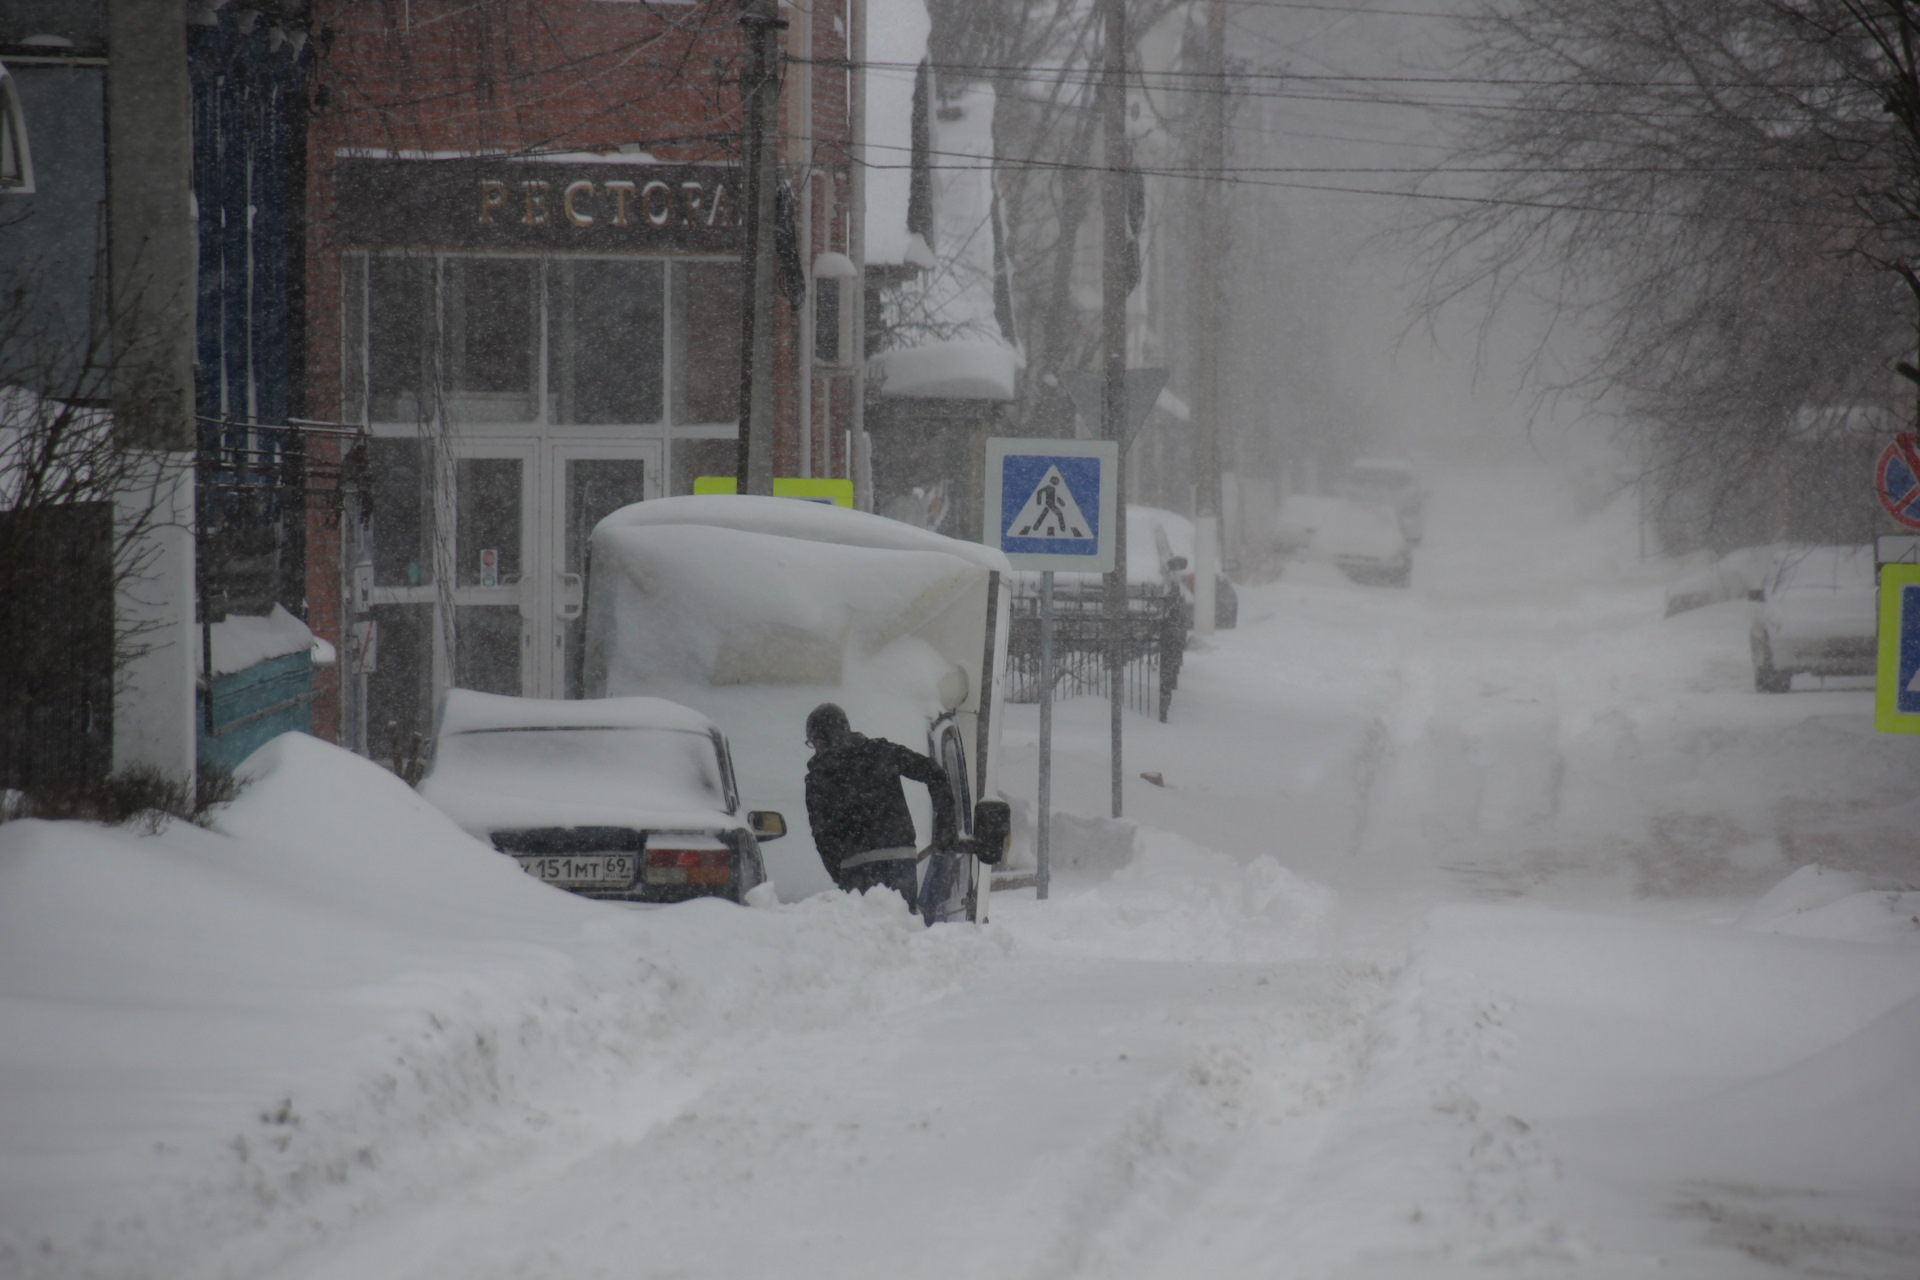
(1050, 504)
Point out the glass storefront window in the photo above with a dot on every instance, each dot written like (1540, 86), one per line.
(402, 502)
(400, 687)
(499, 332)
(706, 312)
(399, 328)
(490, 318)
(486, 648)
(488, 521)
(596, 488)
(608, 341)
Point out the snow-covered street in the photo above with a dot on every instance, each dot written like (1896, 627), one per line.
(1496, 927)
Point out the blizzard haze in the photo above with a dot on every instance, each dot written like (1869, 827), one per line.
(1491, 927)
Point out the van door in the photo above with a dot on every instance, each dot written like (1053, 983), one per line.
(953, 888)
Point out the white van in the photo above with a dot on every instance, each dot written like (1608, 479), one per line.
(755, 610)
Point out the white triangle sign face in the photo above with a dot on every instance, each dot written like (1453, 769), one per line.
(1051, 512)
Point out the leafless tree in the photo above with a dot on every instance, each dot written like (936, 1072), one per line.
(77, 509)
(1719, 198)
(1041, 57)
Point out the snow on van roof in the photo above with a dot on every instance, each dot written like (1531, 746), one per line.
(793, 518)
(469, 711)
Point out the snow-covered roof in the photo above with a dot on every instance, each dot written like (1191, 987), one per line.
(960, 369)
(241, 642)
(469, 711)
(897, 32)
(792, 518)
(951, 343)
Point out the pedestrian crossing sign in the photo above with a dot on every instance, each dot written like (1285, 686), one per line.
(1050, 503)
(1896, 684)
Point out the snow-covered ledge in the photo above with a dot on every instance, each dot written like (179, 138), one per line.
(959, 369)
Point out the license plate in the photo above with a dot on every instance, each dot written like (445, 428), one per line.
(603, 870)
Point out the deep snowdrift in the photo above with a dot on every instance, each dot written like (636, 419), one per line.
(221, 1046)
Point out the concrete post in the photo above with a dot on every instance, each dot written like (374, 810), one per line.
(760, 83)
(151, 268)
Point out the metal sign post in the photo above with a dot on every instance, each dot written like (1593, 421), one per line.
(1051, 504)
(1043, 829)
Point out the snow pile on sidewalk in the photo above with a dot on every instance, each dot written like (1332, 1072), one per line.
(1571, 1094)
(1819, 902)
(1175, 900)
(222, 1046)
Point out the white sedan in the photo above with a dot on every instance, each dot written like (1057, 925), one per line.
(625, 798)
(1816, 615)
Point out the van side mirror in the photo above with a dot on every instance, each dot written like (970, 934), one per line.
(1756, 594)
(1176, 563)
(766, 824)
(992, 831)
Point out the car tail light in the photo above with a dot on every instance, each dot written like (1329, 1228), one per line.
(1187, 579)
(666, 865)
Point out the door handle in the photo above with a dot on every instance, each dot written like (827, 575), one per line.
(572, 596)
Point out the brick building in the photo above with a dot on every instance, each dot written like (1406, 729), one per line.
(523, 287)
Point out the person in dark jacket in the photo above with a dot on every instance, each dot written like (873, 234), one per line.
(859, 812)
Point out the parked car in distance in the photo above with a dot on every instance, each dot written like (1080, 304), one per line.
(1817, 614)
(631, 799)
(1738, 575)
(1361, 539)
(1391, 482)
(1169, 535)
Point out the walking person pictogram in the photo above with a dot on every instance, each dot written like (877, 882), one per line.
(1049, 518)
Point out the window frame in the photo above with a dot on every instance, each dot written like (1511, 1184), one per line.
(356, 333)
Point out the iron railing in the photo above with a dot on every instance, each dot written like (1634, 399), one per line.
(1152, 644)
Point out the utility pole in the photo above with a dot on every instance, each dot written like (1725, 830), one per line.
(760, 174)
(862, 477)
(1208, 282)
(1113, 343)
(151, 253)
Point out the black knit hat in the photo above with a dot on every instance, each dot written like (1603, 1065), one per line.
(827, 724)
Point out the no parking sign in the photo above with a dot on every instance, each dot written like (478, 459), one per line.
(1896, 480)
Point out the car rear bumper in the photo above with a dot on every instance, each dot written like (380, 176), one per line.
(1829, 656)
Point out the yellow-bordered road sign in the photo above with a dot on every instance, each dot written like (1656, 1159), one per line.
(816, 489)
(1896, 684)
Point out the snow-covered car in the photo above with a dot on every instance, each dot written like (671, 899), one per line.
(1391, 482)
(1163, 542)
(631, 799)
(1738, 575)
(1361, 539)
(1817, 615)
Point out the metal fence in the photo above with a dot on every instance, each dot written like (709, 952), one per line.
(1154, 640)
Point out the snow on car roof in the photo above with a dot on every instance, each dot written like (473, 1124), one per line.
(793, 518)
(469, 711)
(1832, 568)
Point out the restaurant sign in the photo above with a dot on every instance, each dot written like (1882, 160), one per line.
(504, 203)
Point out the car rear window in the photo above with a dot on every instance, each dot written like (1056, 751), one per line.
(674, 767)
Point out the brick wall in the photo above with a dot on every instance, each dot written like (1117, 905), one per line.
(455, 76)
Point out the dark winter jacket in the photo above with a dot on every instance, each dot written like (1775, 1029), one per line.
(855, 803)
